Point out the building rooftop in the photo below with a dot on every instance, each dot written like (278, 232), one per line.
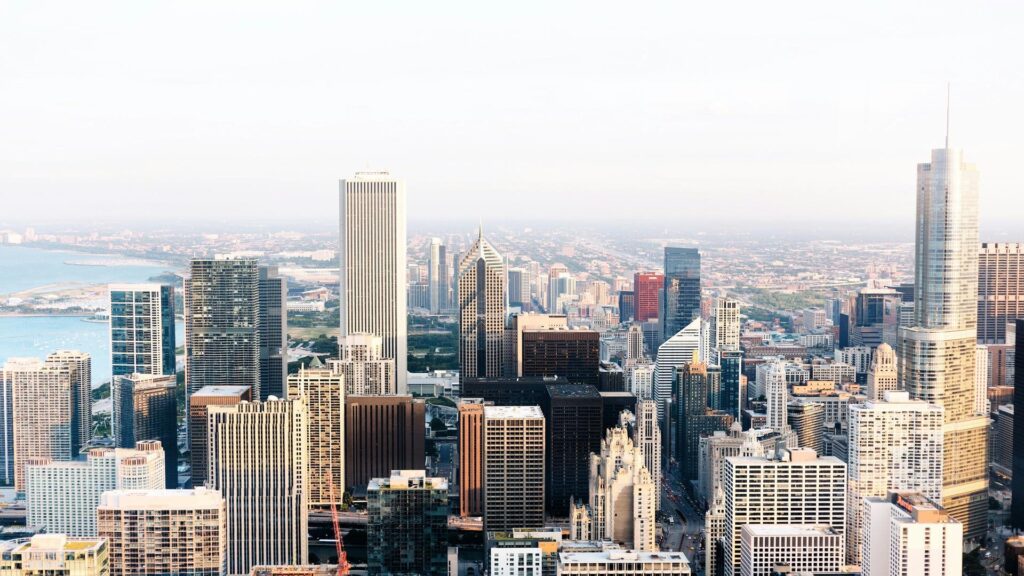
(220, 391)
(513, 412)
(41, 542)
(162, 499)
(574, 391)
(407, 480)
(789, 530)
(621, 556)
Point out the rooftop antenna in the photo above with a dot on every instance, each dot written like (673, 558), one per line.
(947, 115)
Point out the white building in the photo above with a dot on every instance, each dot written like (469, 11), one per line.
(906, 534)
(776, 391)
(647, 437)
(811, 549)
(164, 531)
(641, 379)
(259, 461)
(793, 486)
(725, 326)
(61, 497)
(365, 369)
(623, 563)
(516, 562)
(372, 263)
(857, 356)
(682, 348)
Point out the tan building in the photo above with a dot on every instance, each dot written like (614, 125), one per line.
(54, 555)
(324, 391)
(52, 407)
(884, 374)
(513, 467)
(197, 425)
(471, 416)
(259, 461)
(157, 532)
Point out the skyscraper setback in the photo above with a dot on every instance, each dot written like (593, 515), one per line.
(481, 311)
(372, 266)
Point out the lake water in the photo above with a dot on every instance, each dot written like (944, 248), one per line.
(22, 268)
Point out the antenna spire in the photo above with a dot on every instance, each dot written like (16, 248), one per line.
(947, 115)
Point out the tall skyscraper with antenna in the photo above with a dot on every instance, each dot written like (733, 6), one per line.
(937, 354)
(372, 260)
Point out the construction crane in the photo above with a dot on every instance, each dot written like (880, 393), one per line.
(343, 565)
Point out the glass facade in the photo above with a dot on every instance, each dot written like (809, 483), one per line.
(681, 298)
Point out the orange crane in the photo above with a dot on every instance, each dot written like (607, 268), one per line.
(343, 565)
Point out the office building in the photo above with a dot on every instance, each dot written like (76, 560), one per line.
(324, 392)
(407, 529)
(1000, 289)
(161, 532)
(1017, 506)
(647, 437)
(883, 376)
(776, 391)
(571, 354)
(524, 552)
(693, 418)
(372, 260)
(141, 329)
(1002, 441)
(733, 396)
(646, 287)
(222, 332)
(61, 497)
(517, 325)
(793, 486)
(273, 323)
(145, 408)
(437, 276)
(293, 570)
(52, 408)
(471, 425)
(622, 501)
(801, 548)
(365, 370)
(875, 317)
(937, 355)
(640, 379)
(682, 289)
(519, 288)
(894, 444)
(714, 449)
(7, 424)
(807, 420)
(259, 461)
(54, 555)
(627, 306)
(909, 534)
(481, 311)
(513, 467)
(573, 413)
(197, 423)
(560, 283)
(382, 433)
(725, 325)
(682, 348)
(623, 563)
(859, 357)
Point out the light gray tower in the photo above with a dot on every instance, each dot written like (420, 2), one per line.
(481, 311)
(273, 333)
(437, 272)
(372, 263)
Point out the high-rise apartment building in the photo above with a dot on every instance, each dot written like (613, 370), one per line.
(61, 497)
(407, 529)
(622, 499)
(646, 287)
(51, 416)
(1000, 289)
(789, 487)
(259, 461)
(574, 431)
(908, 534)
(1017, 505)
(807, 420)
(561, 286)
(365, 369)
(142, 337)
(682, 289)
(197, 423)
(725, 325)
(372, 254)
(437, 276)
(513, 467)
(273, 324)
(145, 408)
(382, 433)
(161, 532)
(682, 348)
(222, 335)
(324, 392)
(54, 555)
(481, 311)
(567, 353)
(777, 392)
(937, 354)
(894, 444)
(471, 424)
(883, 376)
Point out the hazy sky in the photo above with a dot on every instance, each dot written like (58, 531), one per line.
(785, 111)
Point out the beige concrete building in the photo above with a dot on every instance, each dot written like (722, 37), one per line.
(54, 555)
(513, 467)
(197, 425)
(884, 374)
(324, 392)
(158, 532)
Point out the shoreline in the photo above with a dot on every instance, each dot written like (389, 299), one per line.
(44, 315)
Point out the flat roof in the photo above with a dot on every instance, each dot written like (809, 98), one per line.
(573, 391)
(161, 499)
(513, 412)
(622, 556)
(789, 530)
(220, 391)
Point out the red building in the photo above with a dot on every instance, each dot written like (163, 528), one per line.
(646, 286)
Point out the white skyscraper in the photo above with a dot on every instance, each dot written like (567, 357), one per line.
(907, 534)
(776, 392)
(61, 497)
(641, 379)
(895, 444)
(481, 304)
(373, 263)
(259, 461)
(790, 487)
(883, 376)
(682, 348)
(647, 437)
(437, 276)
(937, 355)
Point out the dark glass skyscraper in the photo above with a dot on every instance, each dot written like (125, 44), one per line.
(681, 297)
(273, 333)
(141, 329)
(731, 398)
(1017, 506)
